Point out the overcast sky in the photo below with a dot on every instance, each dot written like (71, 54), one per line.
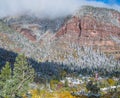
(50, 8)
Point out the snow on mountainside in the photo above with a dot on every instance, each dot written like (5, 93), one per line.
(89, 26)
(92, 26)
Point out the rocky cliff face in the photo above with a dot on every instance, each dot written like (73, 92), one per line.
(93, 27)
(89, 26)
(34, 27)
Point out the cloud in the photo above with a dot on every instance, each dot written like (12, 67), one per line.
(46, 8)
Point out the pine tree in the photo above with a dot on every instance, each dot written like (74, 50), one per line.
(66, 83)
(17, 83)
(23, 74)
(4, 75)
(5, 72)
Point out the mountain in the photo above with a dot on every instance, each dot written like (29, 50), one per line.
(60, 54)
(91, 26)
(39, 38)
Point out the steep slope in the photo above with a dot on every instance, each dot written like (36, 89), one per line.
(40, 38)
(73, 43)
(34, 27)
(92, 26)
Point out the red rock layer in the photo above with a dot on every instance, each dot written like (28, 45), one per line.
(90, 32)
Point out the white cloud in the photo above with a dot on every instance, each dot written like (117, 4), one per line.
(46, 8)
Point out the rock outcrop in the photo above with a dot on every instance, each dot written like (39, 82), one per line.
(90, 26)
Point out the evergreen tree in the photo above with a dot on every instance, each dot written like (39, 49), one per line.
(66, 83)
(5, 72)
(23, 74)
(17, 84)
(4, 75)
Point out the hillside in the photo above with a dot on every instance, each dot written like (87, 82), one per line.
(91, 26)
(77, 39)
(74, 56)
